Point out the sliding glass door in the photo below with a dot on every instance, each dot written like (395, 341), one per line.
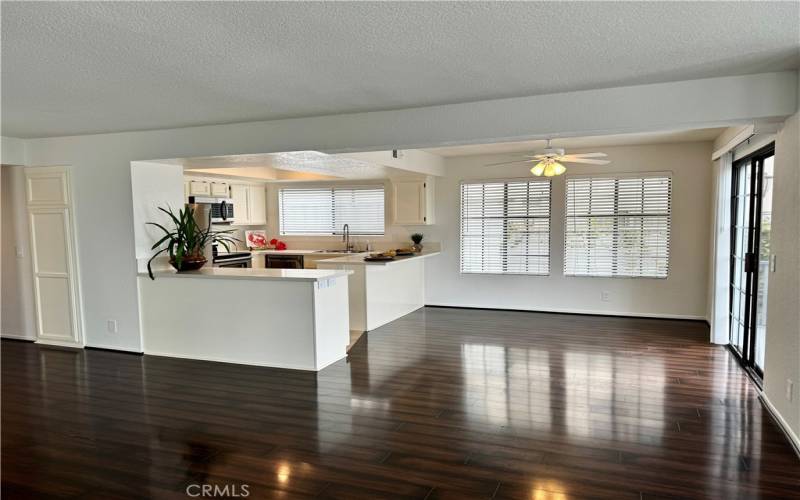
(751, 210)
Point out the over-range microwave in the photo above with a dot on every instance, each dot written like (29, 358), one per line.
(221, 208)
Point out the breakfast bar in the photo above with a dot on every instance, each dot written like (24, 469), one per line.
(284, 318)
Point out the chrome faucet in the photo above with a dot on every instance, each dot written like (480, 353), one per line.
(346, 238)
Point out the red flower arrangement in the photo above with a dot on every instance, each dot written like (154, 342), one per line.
(278, 244)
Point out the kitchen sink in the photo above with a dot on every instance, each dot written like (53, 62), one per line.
(338, 251)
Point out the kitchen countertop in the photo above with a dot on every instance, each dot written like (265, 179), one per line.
(296, 252)
(358, 259)
(249, 273)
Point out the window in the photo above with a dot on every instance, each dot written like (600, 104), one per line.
(326, 210)
(618, 226)
(505, 227)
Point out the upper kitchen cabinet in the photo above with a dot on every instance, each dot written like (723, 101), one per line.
(249, 204)
(220, 189)
(199, 188)
(413, 201)
(204, 187)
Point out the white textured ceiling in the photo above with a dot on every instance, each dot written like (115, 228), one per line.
(87, 67)
(599, 141)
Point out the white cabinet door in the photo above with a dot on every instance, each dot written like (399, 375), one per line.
(412, 202)
(56, 298)
(257, 203)
(219, 189)
(199, 188)
(241, 210)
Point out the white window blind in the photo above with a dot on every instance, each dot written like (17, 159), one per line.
(505, 227)
(326, 210)
(618, 227)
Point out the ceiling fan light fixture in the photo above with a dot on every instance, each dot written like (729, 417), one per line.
(548, 168)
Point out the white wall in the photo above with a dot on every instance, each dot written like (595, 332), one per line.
(783, 307)
(12, 151)
(17, 319)
(153, 185)
(682, 294)
(102, 178)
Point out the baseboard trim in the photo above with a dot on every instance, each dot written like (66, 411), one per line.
(103, 347)
(577, 312)
(215, 359)
(16, 336)
(782, 424)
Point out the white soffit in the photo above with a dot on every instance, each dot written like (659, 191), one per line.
(572, 143)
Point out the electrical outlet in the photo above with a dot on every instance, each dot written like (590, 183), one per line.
(112, 326)
(789, 389)
(19, 251)
(605, 296)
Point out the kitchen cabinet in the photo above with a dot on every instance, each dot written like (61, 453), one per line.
(257, 204)
(249, 204)
(199, 188)
(413, 201)
(219, 189)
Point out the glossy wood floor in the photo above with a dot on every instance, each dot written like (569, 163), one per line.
(443, 403)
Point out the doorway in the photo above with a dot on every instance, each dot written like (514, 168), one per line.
(751, 216)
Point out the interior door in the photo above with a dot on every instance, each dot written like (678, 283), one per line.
(751, 207)
(53, 254)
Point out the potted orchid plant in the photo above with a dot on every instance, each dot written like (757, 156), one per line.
(186, 241)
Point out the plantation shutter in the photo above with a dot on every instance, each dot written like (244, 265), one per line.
(312, 211)
(618, 226)
(505, 227)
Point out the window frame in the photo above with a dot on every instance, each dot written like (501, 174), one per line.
(336, 232)
(505, 181)
(617, 176)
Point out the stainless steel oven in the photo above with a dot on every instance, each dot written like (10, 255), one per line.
(235, 259)
(221, 208)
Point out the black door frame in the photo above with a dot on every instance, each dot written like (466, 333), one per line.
(755, 162)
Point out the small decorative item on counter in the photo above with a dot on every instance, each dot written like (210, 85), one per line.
(186, 242)
(381, 256)
(256, 239)
(417, 238)
(277, 244)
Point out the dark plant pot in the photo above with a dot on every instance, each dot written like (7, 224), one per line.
(191, 263)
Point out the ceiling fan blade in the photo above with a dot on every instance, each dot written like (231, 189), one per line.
(588, 155)
(508, 163)
(584, 160)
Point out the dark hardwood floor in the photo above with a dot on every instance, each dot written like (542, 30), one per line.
(443, 403)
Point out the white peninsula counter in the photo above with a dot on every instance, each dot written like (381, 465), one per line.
(381, 292)
(284, 318)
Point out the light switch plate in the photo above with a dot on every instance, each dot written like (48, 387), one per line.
(112, 326)
(772, 259)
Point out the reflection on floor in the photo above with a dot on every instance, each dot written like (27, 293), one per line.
(443, 403)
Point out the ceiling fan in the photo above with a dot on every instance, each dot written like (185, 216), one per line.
(548, 162)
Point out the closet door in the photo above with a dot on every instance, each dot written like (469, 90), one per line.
(56, 297)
